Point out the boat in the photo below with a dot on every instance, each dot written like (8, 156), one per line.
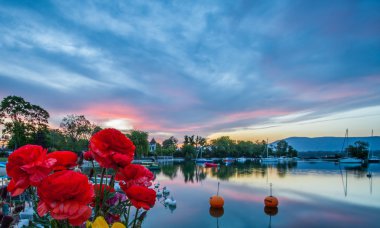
(208, 165)
(150, 165)
(201, 160)
(241, 159)
(268, 159)
(374, 159)
(371, 157)
(228, 160)
(348, 159)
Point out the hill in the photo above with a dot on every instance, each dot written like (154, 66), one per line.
(328, 144)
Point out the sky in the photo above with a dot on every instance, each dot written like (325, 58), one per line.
(247, 69)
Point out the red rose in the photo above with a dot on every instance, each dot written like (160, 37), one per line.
(65, 159)
(27, 166)
(134, 175)
(111, 149)
(141, 197)
(66, 195)
(88, 156)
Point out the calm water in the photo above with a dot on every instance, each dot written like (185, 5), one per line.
(310, 194)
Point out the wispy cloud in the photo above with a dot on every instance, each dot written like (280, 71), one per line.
(194, 67)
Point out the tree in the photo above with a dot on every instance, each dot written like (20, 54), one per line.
(56, 140)
(188, 151)
(22, 120)
(78, 131)
(222, 146)
(359, 150)
(170, 143)
(282, 148)
(77, 127)
(199, 140)
(292, 152)
(140, 139)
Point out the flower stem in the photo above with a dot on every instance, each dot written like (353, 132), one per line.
(99, 194)
(129, 210)
(134, 222)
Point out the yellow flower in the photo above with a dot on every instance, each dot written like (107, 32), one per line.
(100, 222)
(118, 225)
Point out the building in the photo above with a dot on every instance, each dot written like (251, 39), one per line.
(152, 146)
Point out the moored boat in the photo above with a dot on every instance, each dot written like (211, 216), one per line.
(348, 159)
(241, 159)
(228, 160)
(208, 164)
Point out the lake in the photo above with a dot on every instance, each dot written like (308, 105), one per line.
(310, 194)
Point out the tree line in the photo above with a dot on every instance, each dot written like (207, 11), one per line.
(26, 123)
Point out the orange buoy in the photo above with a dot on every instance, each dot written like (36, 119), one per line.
(271, 201)
(216, 201)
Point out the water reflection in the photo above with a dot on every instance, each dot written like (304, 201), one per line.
(271, 211)
(194, 173)
(216, 213)
(314, 194)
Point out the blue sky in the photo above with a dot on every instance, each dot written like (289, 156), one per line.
(248, 69)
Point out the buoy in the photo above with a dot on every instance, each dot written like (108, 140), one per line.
(216, 201)
(271, 201)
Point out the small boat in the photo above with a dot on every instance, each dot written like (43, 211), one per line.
(241, 159)
(202, 160)
(372, 158)
(228, 160)
(268, 159)
(151, 165)
(348, 159)
(208, 164)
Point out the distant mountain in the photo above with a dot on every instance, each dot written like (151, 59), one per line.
(328, 144)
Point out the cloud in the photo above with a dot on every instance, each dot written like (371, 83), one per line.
(192, 67)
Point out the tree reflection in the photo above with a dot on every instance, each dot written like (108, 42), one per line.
(197, 173)
(169, 170)
(190, 171)
(284, 167)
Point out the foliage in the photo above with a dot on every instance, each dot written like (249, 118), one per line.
(56, 140)
(358, 150)
(77, 127)
(170, 143)
(284, 149)
(223, 146)
(22, 120)
(188, 151)
(140, 139)
(77, 130)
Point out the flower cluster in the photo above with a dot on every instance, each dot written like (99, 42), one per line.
(65, 195)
